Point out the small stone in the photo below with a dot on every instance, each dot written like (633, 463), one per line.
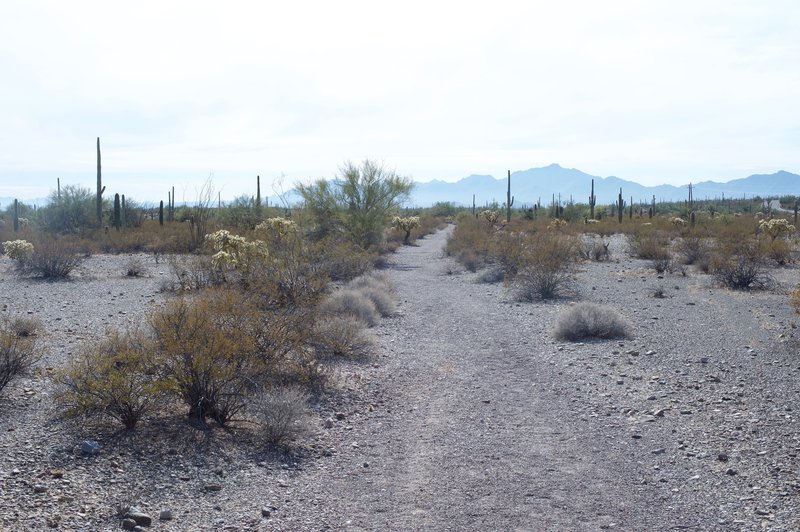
(731, 472)
(265, 512)
(340, 416)
(140, 518)
(39, 488)
(128, 523)
(722, 457)
(90, 447)
(165, 515)
(328, 423)
(212, 487)
(57, 473)
(660, 450)
(650, 352)
(636, 436)
(762, 512)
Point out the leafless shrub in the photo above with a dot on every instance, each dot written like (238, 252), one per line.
(592, 249)
(548, 261)
(740, 265)
(51, 259)
(134, 267)
(590, 321)
(282, 415)
(18, 350)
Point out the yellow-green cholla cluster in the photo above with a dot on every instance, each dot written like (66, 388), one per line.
(490, 216)
(233, 252)
(777, 227)
(406, 224)
(276, 228)
(18, 250)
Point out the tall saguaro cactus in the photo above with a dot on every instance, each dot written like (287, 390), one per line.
(592, 202)
(100, 187)
(117, 209)
(161, 213)
(16, 215)
(620, 206)
(509, 199)
(258, 192)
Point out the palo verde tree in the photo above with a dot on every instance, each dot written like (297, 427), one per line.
(363, 198)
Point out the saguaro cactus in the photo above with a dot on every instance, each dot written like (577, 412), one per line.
(116, 212)
(161, 212)
(258, 192)
(592, 202)
(620, 206)
(509, 199)
(16, 215)
(124, 213)
(100, 187)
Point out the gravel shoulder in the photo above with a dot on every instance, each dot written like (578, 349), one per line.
(470, 416)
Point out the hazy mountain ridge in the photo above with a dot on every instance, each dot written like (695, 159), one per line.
(539, 184)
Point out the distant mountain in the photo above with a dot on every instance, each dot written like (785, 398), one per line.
(540, 184)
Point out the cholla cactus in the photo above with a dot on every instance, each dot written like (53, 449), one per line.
(678, 222)
(406, 224)
(18, 250)
(233, 252)
(490, 216)
(557, 224)
(776, 228)
(276, 228)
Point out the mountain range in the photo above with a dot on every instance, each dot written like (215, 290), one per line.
(540, 184)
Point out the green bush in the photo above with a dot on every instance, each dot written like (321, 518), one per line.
(334, 337)
(115, 377)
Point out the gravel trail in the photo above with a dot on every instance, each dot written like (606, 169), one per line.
(470, 416)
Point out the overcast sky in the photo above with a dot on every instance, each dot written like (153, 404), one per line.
(655, 92)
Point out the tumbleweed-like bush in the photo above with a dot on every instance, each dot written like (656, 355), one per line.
(18, 350)
(584, 321)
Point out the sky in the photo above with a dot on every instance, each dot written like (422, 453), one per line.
(183, 92)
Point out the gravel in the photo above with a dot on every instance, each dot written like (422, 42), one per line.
(471, 416)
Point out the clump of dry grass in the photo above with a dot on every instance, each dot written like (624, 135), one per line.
(586, 320)
(353, 303)
(282, 415)
(340, 337)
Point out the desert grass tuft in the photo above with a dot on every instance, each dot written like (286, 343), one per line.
(585, 321)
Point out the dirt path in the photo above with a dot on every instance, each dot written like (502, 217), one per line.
(476, 431)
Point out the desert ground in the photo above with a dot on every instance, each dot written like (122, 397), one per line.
(469, 416)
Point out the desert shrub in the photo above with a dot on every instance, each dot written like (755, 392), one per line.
(658, 292)
(282, 415)
(191, 272)
(134, 267)
(470, 242)
(586, 320)
(592, 249)
(115, 377)
(352, 303)
(492, 274)
(382, 300)
(780, 251)
(377, 280)
(740, 265)
(208, 348)
(548, 267)
(663, 263)
(51, 258)
(341, 260)
(649, 244)
(18, 349)
(694, 249)
(340, 337)
(363, 199)
(471, 260)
